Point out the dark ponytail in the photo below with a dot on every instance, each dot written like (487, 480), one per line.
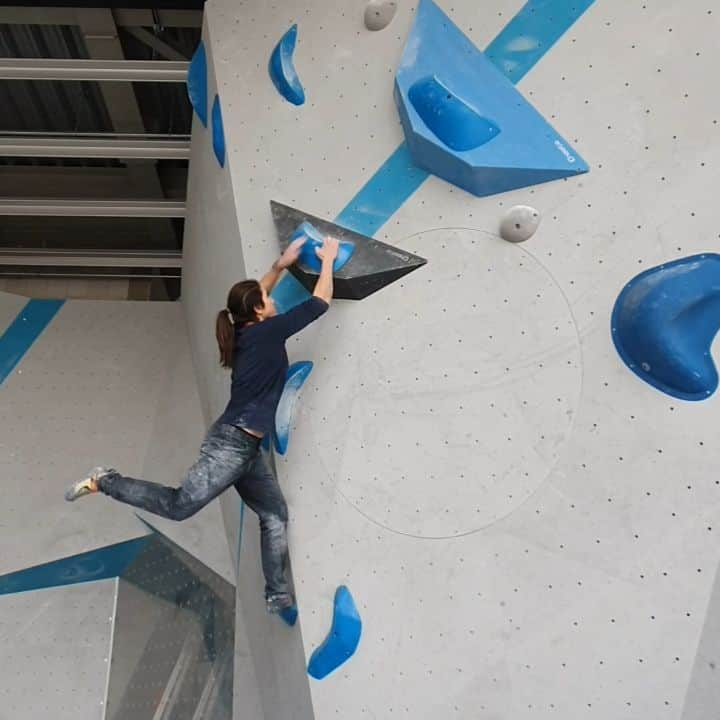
(242, 300)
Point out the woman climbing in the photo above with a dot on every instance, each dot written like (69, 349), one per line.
(251, 338)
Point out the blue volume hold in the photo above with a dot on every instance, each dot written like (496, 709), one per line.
(343, 639)
(296, 376)
(218, 134)
(664, 322)
(308, 256)
(452, 120)
(282, 70)
(447, 90)
(197, 83)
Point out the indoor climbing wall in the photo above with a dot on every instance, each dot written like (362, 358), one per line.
(81, 384)
(526, 528)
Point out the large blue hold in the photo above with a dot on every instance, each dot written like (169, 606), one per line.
(282, 70)
(308, 256)
(197, 83)
(343, 639)
(664, 322)
(464, 121)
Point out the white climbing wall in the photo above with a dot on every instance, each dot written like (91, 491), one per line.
(105, 383)
(528, 530)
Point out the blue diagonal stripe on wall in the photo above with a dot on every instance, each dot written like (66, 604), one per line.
(515, 50)
(531, 33)
(24, 331)
(104, 562)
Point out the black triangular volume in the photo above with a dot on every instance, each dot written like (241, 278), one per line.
(373, 264)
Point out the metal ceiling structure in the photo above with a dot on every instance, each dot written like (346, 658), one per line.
(95, 139)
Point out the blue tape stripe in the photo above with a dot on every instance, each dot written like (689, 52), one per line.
(520, 44)
(24, 331)
(100, 564)
(288, 293)
(395, 181)
(531, 33)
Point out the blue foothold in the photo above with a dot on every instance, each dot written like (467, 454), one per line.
(218, 134)
(197, 83)
(282, 70)
(289, 615)
(296, 376)
(342, 640)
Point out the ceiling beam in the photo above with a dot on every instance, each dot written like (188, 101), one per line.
(188, 5)
(88, 258)
(154, 42)
(91, 208)
(167, 18)
(103, 70)
(100, 34)
(124, 16)
(46, 147)
(39, 273)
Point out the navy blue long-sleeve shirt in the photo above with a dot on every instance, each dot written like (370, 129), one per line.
(260, 364)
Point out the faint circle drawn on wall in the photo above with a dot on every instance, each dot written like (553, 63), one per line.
(455, 407)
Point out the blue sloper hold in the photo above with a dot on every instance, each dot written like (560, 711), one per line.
(454, 122)
(664, 322)
(464, 121)
(100, 564)
(218, 134)
(282, 70)
(342, 640)
(296, 376)
(308, 256)
(197, 83)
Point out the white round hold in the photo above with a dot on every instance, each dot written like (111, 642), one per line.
(441, 402)
(519, 223)
(379, 14)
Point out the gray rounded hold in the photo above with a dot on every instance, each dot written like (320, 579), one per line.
(379, 14)
(519, 224)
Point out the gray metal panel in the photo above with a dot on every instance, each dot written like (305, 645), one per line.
(703, 695)
(173, 639)
(54, 650)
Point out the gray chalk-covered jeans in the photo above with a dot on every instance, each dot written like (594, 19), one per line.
(228, 456)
